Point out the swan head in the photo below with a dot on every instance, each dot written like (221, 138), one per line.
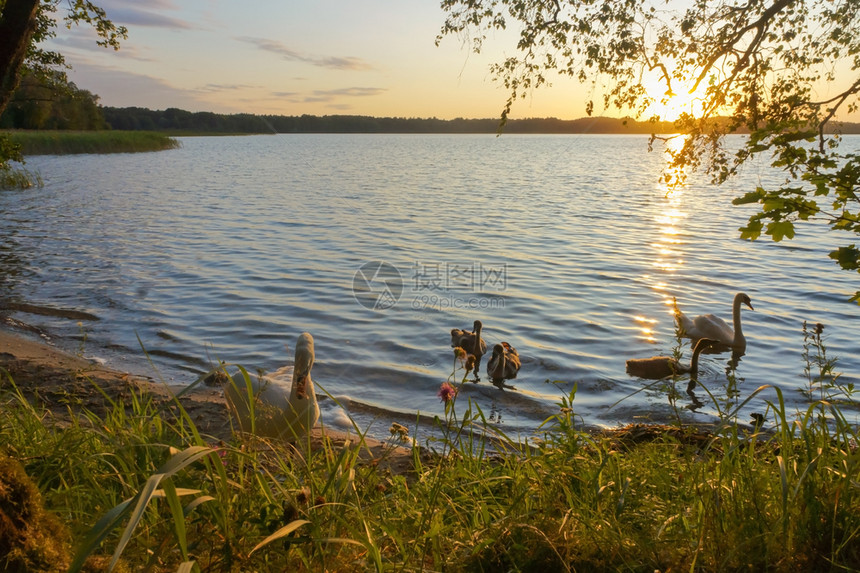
(304, 361)
(456, 336)
(703, 344)
(743, 297)
(498, 349)
(478, 325)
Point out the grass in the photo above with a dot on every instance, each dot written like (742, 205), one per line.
(141, 485)
(68, 142)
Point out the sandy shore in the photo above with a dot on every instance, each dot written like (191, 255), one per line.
(63, 384)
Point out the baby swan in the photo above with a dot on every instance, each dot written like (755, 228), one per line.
(714, 327)
(658, 367)
(278, 411)
(471, 342)
(504, 364)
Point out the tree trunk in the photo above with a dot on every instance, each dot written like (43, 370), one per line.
(17, 25)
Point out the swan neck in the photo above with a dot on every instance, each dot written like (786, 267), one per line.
(736, 322)
(694, 363)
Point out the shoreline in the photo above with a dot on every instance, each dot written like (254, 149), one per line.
(63, 384)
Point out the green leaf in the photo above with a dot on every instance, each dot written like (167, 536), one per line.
(847, 257)
(779, 230)
(752, 231)
(750, 197)
(773, 204)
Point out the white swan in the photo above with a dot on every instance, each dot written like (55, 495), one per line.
(279, 412)
(504, 364)
(657, 367)
(714, 327)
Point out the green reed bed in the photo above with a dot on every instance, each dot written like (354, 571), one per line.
(68, 142)
(141, 484)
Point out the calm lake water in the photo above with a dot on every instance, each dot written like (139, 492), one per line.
(565, 246)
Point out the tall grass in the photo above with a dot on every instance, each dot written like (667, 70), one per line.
(67, 142)
(142, 484)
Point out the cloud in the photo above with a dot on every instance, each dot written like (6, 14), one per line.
(119, 88)
(85, 40)
(331, 62)
(328, 96)
(121, 13)
(210, 88)
(351, 92)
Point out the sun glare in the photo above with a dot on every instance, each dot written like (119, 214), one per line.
(669, 105)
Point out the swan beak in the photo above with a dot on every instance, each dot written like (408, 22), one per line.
(749, 304)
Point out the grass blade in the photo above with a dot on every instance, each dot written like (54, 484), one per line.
(282, 532)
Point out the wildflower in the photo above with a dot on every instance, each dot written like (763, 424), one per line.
(399, 430)
(221, 451)
(447, 392)
(459, 353)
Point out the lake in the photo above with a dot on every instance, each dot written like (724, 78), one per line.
(567, 247)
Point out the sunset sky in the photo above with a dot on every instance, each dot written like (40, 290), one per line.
(373, 57)
(288, 57)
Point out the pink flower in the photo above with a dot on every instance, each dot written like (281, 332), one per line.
(447, 392)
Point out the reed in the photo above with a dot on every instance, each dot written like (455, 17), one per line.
(141, 484)
(69, 142)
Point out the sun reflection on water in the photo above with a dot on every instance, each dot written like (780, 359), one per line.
(669, 217)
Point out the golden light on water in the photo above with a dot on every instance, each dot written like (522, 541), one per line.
(668, 221)
(646, 327)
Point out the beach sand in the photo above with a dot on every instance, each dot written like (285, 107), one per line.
(64, 384)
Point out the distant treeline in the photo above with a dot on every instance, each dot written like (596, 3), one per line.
(172, 119)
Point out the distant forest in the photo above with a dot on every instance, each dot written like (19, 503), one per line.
(172, 119)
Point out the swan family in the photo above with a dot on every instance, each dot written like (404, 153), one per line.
(707, 331)
(504, 363)
(266, 406)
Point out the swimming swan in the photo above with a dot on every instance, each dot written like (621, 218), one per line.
(504, 364)
(658, 367)
(471, 342)
(714, 327)
(279, 412)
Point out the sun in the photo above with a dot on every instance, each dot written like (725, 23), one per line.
(669, 104)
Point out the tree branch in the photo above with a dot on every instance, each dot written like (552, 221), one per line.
(760, 26)
(17, 25)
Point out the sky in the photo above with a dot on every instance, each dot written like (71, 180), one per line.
(290, 57)
(283, 57)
